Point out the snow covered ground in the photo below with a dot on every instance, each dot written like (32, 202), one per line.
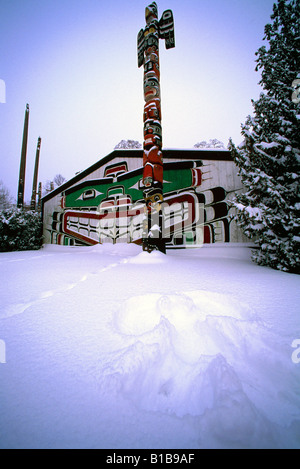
(110, 347)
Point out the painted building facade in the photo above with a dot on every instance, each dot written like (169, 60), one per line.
(105, 202)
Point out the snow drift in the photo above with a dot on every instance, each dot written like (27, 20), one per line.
(110, 347)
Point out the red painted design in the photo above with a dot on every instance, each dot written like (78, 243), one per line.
(116, 169)
(197, 177)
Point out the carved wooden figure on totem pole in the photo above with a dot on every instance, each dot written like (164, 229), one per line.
(148, 55)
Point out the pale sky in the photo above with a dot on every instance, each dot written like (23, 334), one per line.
(75, 63)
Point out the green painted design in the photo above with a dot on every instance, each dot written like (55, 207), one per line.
(175, 180)
(91, 195)
(189, 237)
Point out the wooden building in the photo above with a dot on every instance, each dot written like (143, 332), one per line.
(104, 203)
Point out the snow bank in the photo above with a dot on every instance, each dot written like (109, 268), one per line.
(186, 359)
(111, 347)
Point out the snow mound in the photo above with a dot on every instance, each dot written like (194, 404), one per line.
(183, 360)
(155, 257)
(171, 336)
(140, 314)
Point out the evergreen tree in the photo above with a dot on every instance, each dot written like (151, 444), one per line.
(269, 157)
(20, 230)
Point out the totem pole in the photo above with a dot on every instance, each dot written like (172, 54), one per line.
(148, 55)
(21, 187)
(35, 175)
(39, 206)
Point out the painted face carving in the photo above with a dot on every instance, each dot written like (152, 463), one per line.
(151, 88)
(151, 12)
(152, 110)
(152, 127)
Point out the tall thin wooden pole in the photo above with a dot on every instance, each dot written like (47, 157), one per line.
(35, 175)
(40, 197)
(148, 55)
(21, 188)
